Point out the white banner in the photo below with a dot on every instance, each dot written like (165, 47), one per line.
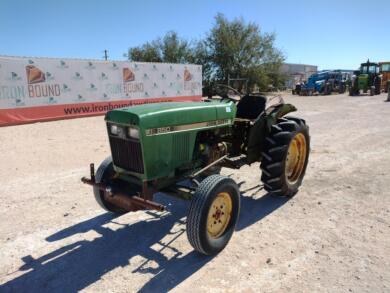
(38, 82)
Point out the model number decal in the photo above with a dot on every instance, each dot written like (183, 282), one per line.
(167, 129)
(154, 131)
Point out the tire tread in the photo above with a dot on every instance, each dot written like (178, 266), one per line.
(273, 169)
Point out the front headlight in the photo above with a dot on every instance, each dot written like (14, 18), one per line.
(114, 129)
(133, 132)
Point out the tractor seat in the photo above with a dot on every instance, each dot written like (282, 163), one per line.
(251, 106)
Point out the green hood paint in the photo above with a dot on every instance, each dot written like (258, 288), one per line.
(363, 81)
(165, 152)
(171, 113)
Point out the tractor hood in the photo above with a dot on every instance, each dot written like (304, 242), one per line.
(171, 113)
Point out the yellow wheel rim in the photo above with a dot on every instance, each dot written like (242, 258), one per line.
(219, 215)
(296, 157)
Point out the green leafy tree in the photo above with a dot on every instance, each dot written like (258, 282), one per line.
(231, 49)
(148, 52)
(173, 49)
(200, 54)
(239, 49)
(170, 49)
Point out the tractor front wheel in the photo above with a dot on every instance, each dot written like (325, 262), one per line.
(213, 214)
(286, 155)
(104, 174)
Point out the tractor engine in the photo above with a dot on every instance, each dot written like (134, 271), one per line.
(212, 152)
(211, 146)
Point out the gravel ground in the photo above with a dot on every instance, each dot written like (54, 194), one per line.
(333, 236)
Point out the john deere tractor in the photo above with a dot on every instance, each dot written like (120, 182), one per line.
(178, 149)
(366, 79)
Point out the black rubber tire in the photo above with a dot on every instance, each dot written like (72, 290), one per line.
(377, 84)
(351, 91)
(342, 88)
(372, 90)
(274, 157)
(353, 88)
(327, 89)
(203, 198)
(103, 174)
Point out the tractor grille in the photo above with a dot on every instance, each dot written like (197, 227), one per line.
(127, 154)
(181, 146)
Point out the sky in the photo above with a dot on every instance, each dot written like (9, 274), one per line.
(332, 34)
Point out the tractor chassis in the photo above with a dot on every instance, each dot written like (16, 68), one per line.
(144, 199)
(119, 198)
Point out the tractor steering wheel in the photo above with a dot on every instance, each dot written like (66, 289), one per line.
(228, 93)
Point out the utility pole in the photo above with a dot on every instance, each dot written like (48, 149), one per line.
(105, 55)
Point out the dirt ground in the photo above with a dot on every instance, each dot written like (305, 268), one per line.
(333, 236)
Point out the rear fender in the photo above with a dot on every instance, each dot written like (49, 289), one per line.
(262, 127)
(278, 112)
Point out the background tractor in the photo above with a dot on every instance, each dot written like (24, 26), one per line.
(323, 82)
(366, 79)
(384, 70)
(178, 149)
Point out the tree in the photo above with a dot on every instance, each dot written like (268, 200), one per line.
(173, 49)
(170, 49)
(239, 49)
(231, 49)
(201, 55)
(148, 52)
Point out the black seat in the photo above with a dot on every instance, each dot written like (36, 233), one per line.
(250, 106)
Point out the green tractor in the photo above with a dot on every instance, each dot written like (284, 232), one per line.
(179, 148)
(366, 79)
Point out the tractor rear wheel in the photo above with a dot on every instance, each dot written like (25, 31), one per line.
(372, 90)
(354, 88)
(213, 214)
(327, 89)
(377, 84)
(286, 155)
(342, 88)
(104, 174)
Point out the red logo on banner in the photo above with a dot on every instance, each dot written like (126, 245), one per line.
(128, 75)
(187, 75)
(34, 74)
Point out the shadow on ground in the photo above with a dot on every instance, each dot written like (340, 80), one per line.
(75, 266)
